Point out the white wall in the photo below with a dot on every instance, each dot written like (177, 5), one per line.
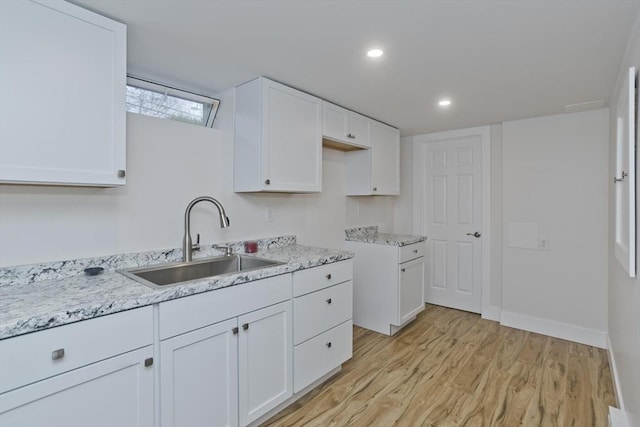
(555, 175)
(168, 164)
(624, 292)
(496, 218)
(404, 202)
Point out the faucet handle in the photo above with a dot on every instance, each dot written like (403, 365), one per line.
(228, 249)
(196, 246)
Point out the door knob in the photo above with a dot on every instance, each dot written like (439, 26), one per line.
(476, 234)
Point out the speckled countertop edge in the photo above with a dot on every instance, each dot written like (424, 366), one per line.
(35, 306)
(372, 235)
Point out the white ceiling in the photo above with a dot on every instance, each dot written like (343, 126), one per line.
(498, 60)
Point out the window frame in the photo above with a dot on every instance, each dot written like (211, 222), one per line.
(148, 85)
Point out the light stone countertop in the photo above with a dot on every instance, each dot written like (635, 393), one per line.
(34, 306)
(372, 235)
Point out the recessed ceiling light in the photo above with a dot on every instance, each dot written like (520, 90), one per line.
(444, 102)
(375, 53)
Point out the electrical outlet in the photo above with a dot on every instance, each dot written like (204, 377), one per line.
(543, 244)
(268, 214)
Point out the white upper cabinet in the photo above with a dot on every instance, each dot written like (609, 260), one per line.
(344, 126)
(278, 139)
(63, 88)
(375, 171)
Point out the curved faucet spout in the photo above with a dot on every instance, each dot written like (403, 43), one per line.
(186, 241)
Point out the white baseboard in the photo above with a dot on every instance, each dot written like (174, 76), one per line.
(617, 418)
(614, 373)
(554, 329)
(491, 313)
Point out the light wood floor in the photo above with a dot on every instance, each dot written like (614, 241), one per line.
(451, 368)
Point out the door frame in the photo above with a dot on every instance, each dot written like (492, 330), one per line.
(419, 202)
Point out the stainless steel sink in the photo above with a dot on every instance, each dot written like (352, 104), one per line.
(163, 275)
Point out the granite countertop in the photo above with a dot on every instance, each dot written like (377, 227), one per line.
(37, 305)
(372, 235)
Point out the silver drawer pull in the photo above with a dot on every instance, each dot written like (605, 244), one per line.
(329, 344)
(57, 354)
(148, 362)
(328, 276)
(415, 251)
(328, 300)
(245, 326)
(403, 270)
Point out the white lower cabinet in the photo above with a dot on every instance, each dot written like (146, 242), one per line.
(265, 360)
(321, 354)
(199, 379)
(225, 358)
(235, 370)
(323, 329)
(410, 290)
(114, 392)
(388, 285)
(86, 373)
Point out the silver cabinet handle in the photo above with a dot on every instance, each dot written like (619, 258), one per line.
(328, 276)
(328, 300)
(350, 135)
(329, 344)
(267, 181)
(234, 330)
(476, 234)
(57, 354)
(245, 326)
(403, 269)
(375, 188)
(415, 251)
(121, 173)
(148, 362)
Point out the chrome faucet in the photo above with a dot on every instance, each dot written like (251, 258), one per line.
(187, 245)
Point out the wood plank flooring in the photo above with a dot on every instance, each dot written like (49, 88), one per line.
(452, 368)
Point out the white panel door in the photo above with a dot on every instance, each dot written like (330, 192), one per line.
(265, 357)
(453, 220)
(198, 377)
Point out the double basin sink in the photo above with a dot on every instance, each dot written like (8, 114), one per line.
(160, 276)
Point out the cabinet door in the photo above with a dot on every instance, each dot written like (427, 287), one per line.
(114, 392)
(385, 159)
(410, 289)
(292, 129)
(265, 360)
(198, 377)
(62, 115)
(335, 122)
(360, 130)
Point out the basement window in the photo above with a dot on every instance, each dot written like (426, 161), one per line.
(158, 100)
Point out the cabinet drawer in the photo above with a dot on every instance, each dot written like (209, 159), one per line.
(316, 278)
(319, 355)
(29, 358)
(410, 252)
(321, 310)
